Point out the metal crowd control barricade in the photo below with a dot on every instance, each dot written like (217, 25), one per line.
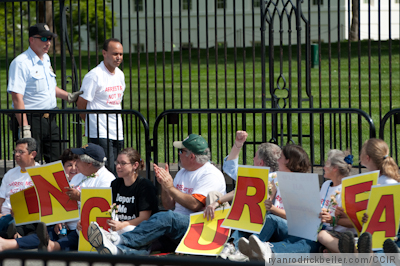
(71, 130)
(9, 258)
(393, 117)
(219, 135)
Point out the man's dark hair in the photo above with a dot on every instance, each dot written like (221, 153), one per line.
(30, 142)
(105, 45)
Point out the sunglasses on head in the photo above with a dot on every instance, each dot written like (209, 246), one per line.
(43, 39)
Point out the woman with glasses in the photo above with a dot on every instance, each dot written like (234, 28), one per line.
(134, 195)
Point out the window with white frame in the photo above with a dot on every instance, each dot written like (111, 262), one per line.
(138, 5)
(221, 4)
(138, 48)
(316, 2)
(187, 4)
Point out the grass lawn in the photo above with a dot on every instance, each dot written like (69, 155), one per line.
(234, 81)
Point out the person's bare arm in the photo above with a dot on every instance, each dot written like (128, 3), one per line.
(18, 101)
(62, 94)
(2, 200)
(186, 200)
(210, 209)
(275, 210)
(240, 139)
(162, 174)
(172, 194)
(343, 219)
(81, 104)
(167, 201)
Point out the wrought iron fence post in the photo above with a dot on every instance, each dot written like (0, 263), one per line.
(63, 27)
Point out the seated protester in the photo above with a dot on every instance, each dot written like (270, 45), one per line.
(135, 196)
(267, 155)
(187, 193)
(337, 166)
(374, 156)
(15, 180)
(68, 159)
(92, 174)
(293, 159)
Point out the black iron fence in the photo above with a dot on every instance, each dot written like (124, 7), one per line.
(192, 54)
(218, 126)
(388, 131)
(71, 130)
(16, 257)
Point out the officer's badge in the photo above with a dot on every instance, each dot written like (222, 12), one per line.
(51, 69)
(46, 27)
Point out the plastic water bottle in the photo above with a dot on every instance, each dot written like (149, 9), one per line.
(63, 231)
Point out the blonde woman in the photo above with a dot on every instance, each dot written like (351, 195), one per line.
(374, 156)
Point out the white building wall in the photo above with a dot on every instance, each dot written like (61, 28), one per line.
(217, 33)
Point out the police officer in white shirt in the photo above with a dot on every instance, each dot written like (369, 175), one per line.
(32, 85)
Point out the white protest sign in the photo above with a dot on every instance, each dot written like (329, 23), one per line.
(300, 195)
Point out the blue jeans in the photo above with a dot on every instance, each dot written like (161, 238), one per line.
(113, 146)
(294, 244)
(5, 221)
(275, 228)
(169, 223)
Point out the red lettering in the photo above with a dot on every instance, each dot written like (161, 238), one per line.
(91, 203)
(386, 204)
(241, 199)
(44, 189)
(352, 207)
(31, 200)
(193, 237)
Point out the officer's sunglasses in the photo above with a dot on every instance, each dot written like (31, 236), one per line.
(43, 39)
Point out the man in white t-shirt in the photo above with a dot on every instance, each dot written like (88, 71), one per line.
(186, 193)
(16, 179)
(103, 89)
(92, 174)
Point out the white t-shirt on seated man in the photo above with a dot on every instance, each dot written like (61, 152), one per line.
(18, 179)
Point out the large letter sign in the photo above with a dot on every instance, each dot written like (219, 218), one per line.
(50, 184)
(95, 203)
(204, 237)
(355, 194)
(248, 210)
(383, 214)
(26, 203)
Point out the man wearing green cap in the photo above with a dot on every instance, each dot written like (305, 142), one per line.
(186, 193)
